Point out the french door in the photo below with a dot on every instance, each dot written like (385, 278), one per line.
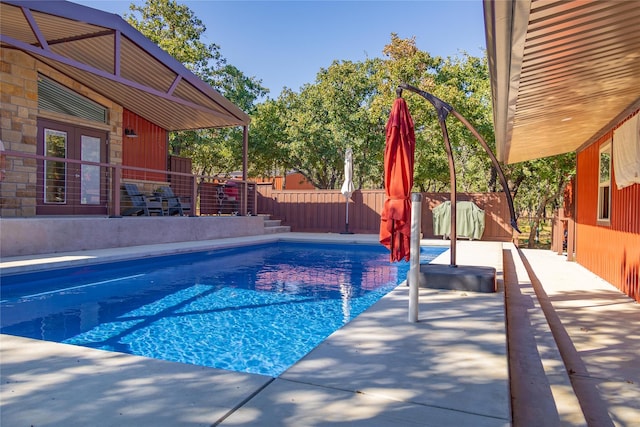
(71, 188)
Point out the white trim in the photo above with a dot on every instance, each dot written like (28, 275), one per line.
(604, 186)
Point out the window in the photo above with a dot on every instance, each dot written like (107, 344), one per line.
(604, 183)
(55, 97)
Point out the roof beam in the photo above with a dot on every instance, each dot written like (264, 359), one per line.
(113, 77)
(34, 27)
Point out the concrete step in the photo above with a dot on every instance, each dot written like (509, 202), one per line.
(272, 222)
(277, 229)
(272, 226)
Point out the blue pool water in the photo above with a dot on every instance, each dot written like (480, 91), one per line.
(255, 309)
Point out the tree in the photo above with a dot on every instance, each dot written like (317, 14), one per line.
(268, 140)
(327, 117)
(463, 82)
(177, 31)
(540, 185)
(309, 143)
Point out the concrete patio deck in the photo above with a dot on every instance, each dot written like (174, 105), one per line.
(467, 362)
(596, 329)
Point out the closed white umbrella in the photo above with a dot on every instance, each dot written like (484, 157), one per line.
(347, 187)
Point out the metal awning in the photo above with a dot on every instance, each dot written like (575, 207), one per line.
(562, 72)
(105, 53)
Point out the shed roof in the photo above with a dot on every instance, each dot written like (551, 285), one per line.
(105, 53)
(562, 73)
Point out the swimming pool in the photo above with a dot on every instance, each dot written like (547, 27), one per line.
(255, 309)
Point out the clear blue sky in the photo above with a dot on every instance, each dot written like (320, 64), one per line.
(286, 43)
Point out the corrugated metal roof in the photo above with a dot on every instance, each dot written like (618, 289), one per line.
(106, 54)
(562, 72)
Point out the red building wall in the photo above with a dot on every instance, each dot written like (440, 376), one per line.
(297, 181)
(611, 251)
(148, 150)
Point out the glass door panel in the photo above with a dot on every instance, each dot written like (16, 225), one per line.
(55, 179)
(90, 174)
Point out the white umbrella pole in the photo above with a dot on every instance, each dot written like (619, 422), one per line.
(347, 186)
(414, 255)
(346, 221)
(347, 218)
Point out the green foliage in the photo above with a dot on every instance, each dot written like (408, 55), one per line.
(463, 84)
(348, 105)
(243, 91)
(315, 126)
(268, 149)
(177, 31)
(538, 186)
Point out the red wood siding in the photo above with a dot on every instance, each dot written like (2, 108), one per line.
(149, 150)
(610, 251)
(182, 185)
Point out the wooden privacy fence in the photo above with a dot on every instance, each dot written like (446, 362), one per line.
(324, 211)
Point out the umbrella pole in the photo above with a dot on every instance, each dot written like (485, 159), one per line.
(346, 218)
(443, 110)
(414, 255)
(454, 192)
(347, 186)
(346, 223)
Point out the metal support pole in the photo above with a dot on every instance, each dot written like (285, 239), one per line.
(117, 179)
(346, 216)
(245, 152)
(245, 167)
(414, 255)
(346, 222)
(443, 109)
(453, 234)
(194, 196)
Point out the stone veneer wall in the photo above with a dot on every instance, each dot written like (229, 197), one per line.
(19, 126)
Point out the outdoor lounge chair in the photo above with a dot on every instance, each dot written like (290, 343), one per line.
(141, 204)
(175, 205)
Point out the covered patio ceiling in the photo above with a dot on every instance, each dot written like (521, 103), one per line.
(103, 52)
(562, 72)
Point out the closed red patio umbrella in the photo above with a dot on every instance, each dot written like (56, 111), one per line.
(395, 220)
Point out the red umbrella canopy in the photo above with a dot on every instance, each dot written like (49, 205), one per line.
(395, 224)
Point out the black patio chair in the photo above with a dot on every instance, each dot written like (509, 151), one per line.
(175, 205)
(141, 204)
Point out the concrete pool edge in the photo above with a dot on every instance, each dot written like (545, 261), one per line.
(42, 262)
